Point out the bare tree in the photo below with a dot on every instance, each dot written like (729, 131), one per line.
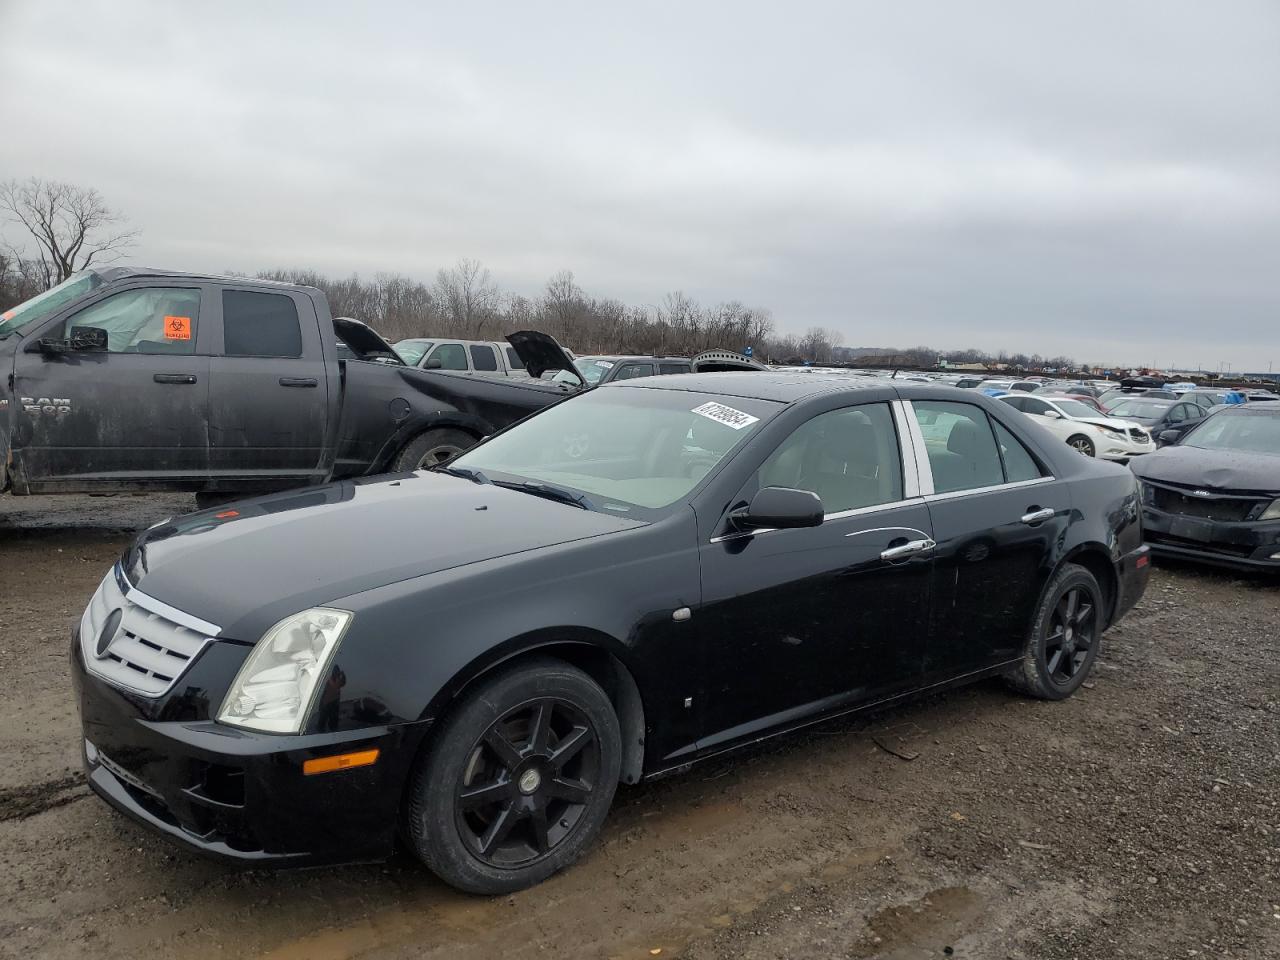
(72, 226)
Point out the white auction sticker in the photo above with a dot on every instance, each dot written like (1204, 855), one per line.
(726, 415)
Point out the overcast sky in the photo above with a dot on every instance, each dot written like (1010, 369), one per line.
(1095, 179)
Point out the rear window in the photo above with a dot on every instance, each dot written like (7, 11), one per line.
(673, 368)
(483, 358)
(260, 325)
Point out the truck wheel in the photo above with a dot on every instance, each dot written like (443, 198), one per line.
(1064, 640)
(431, 448)
(518, 781)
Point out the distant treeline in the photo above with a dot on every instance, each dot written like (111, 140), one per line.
(465, 302)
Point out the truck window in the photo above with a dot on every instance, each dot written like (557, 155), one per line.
(513, 359)
(673, 368)
(450, 355)
(633, 370)
(149, 320)
(260, 325)
(483, 358)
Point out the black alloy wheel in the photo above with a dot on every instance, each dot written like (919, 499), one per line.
(517, 780)
(1064, 641)
(1072, 630)
(527, 783)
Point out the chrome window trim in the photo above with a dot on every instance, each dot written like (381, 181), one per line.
(978, 491)
(159, 607)
(923, 468)
(906, 451)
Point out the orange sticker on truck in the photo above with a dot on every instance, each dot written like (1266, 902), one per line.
(177, 328)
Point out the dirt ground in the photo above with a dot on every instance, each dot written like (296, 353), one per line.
(1139, 819)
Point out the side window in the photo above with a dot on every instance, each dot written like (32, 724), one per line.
(1191, 411)
(513, 359)
(450, 355)
(848, 457)
(1035, 407)
(483, 358)
(1018, 462)
(149, 320)
(1018, 403)
(961, 447)
(673, 368)
(260, 325)
(632, 370)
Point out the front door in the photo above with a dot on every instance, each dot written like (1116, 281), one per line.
(134, 413)
(808, 621)
(997, 515)
(268, 392)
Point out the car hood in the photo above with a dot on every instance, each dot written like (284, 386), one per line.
(362, 338)
(1212, 469)
(252, 563)
(1116, 423)
(539, 352)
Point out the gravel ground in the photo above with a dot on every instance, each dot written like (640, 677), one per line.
(1139, 819)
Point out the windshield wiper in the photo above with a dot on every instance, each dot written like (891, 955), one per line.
(550, 492)
(475, 476)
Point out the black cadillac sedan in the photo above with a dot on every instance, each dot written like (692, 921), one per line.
(643, 576)
(1214, 496)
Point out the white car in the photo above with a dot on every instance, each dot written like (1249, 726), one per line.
(1082, 427)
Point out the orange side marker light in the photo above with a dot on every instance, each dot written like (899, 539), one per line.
(342, 761)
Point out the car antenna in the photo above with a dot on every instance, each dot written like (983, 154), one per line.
(894, 375)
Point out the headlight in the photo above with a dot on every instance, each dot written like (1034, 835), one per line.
(1272, 512)
(274, 689)
(1111, 430)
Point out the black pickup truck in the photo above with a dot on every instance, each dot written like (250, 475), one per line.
(127, 379)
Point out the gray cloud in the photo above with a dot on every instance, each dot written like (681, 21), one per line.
(1096, 179)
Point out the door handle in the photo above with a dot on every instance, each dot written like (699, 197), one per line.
(912, 548)
(299, 382)
(174, 378)
(1038, 516)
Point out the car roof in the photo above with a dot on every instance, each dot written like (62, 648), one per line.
(782, 387)
(618, 357)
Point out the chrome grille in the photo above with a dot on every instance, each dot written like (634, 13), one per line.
(151, 647)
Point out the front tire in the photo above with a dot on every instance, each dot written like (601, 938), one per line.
(1083, 444)
(1064, 640)
(518, 781)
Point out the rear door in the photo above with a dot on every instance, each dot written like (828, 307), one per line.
(997, 513)
(268, 394)
(133, 413)
(484, 359)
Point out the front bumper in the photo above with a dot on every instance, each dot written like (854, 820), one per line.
(242, 796)
(1121, 449)
(1244, 545)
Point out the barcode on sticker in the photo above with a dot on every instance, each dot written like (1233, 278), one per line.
(726, 415)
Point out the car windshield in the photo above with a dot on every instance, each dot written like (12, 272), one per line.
(1074, 408)
(593, 369)
(46, 304)
(1249, 433)
(1139, 408)
(629, 450)
(411, 351)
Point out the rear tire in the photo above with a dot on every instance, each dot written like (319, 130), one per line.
(518, 780)
(432, 448)
(1083, 444)
(1065, 638)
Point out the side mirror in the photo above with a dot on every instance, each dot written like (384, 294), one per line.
(1052, 415)
(88, 338)
(780, 508)
(433, 364)
(1169, 436)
